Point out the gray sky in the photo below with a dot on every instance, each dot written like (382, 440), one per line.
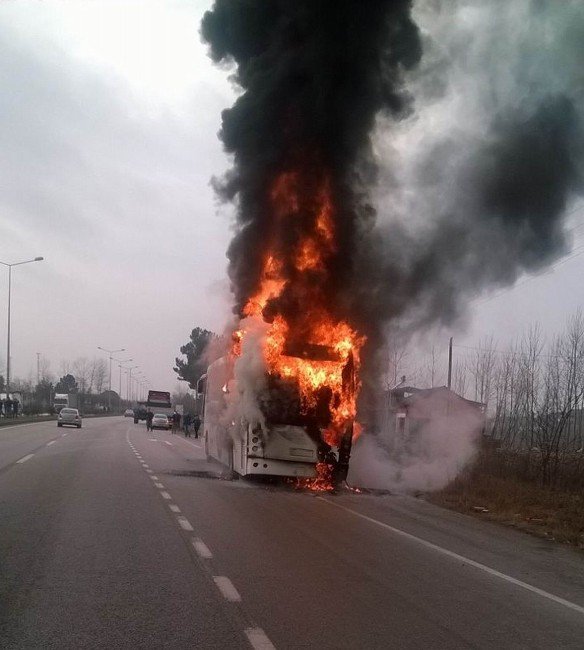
(108, 121)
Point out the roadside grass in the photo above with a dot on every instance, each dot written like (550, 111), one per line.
(552, 514)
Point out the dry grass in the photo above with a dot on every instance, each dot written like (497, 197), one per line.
(547, 513)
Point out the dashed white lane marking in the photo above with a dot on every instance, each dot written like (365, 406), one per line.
(227, 589)
(149, 471)
(165, 495)
(463, 559)
(52, 442)
(63, 435)
(168, 443)
(25, 458)
(159, 485)
(153, 439)
(184, 523)
(258, 639)
(154, 478)
(174, 508)
(145, 466)
(202, 549)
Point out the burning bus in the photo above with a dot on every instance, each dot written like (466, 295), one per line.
(283, 400)
(286, 430)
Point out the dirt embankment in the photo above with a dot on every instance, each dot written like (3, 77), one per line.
(553, 514)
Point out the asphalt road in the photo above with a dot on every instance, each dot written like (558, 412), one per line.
(111, 537)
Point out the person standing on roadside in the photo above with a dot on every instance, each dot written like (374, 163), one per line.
(187, 424)
(149, 416)
(196, 425)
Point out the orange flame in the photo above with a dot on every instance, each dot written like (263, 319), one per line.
(302, 267)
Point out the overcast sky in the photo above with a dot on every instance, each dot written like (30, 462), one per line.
(109, 115)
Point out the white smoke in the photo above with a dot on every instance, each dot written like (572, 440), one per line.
(425, 459)
(250, 374)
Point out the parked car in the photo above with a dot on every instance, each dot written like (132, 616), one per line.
(69, 416)
(129, 413)
(161, 421)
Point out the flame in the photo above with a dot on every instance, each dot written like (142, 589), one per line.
(323, 481)
(297, 256)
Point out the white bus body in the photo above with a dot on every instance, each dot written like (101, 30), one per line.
(286, 450)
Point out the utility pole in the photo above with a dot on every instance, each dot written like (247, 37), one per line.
(38, 368)
(450, 364)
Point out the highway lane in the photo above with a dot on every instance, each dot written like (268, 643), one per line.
(139, 547)
(18, 441)
(91, 557)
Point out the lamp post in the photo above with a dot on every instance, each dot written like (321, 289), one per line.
(130, 381)
(138, 379)
(109, 392)
(120, 366)
(36, 259)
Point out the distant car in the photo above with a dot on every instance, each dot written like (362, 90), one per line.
(69, 416)
(129, 413)
(161, 421)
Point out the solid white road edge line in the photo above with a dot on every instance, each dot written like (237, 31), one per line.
(202, 549)
(174, 508)
(227, 589)
(165, 495)
(25, 458)
(462, 558)
(184, 523)
(258, 639)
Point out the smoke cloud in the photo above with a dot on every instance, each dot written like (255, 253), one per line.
(451, 135)
(426, 457)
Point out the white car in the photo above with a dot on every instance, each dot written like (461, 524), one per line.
(69, 416)
(129, 413)
(161, 421)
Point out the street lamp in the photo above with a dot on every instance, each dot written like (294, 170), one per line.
(120, 366)
(130, 381)
(109, 392)
(36, 259)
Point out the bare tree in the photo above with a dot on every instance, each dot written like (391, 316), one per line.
(482, 369)
(99, 374)
(82, 370)
(460, 375)
(45, 373)
(396, 356)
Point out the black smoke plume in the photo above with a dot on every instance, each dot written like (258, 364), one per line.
(315, 75)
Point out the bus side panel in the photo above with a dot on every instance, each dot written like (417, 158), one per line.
(217, 439)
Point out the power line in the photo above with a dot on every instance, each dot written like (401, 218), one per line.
(509, 353)
(574, 254)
